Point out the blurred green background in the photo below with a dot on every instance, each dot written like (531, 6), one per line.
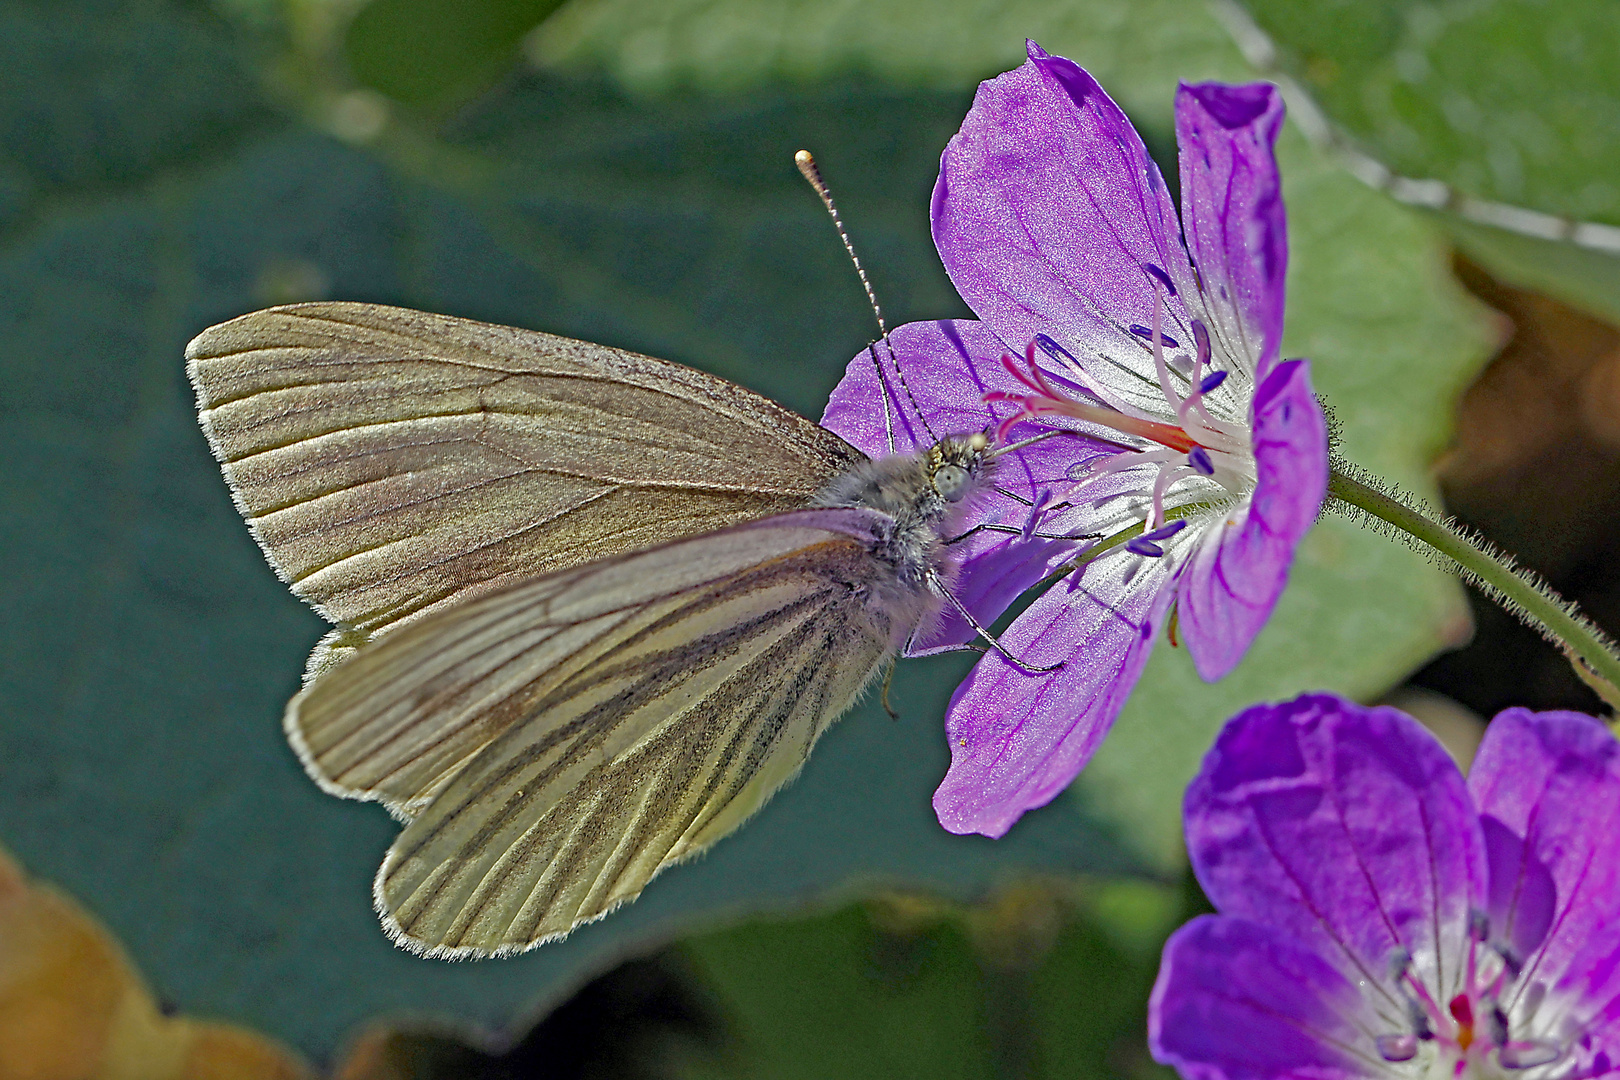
(621, 170)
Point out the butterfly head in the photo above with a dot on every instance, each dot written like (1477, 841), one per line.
(956, 464)
(921, 491)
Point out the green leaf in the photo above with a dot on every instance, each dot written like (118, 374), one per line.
(837, 996)
(70, 74)
(654, 46)
(1044, 980)
(430, 54)
(1579, 275)
(1514, 102)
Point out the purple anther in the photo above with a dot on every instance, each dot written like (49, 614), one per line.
(1198, 458)
(1054, 350)
(1165, 532)
(1417, 1018)
(1201, 340)
(1164, 278)
(1528, 1054)
(1147, 335)
(1497, 1023)
(1141, 545)
(1211, 381)
(1397, 1047)
(1037, 508)
(1479, 925)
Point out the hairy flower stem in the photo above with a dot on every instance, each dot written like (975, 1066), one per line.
(1356, 494)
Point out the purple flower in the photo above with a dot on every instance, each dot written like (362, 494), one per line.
(1380, 916)
(1194, 459)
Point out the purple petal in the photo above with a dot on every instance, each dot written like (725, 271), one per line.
(949, 366)
(1048, 215)
(1016, 738)
(1522, 896)
(1345, 827)
(1232, 212)
(1553, 779)
(1236, 1000)
(1235, 576)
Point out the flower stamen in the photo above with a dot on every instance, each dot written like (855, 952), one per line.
(1473, 1023)
(1196, 445)
(1148, 543)
(1167, 475)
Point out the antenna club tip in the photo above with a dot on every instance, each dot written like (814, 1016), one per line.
(807, 168)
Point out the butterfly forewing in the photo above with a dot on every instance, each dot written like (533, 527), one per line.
(619, 717)
(392, 461)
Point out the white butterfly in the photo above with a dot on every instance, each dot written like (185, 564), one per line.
(593, 608)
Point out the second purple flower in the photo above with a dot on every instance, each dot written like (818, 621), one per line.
(1380, 916)
(1196, 458)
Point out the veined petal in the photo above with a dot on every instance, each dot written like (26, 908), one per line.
(1236, 1000)
(949, 366)
(1048, 211)
(1347, 828)
(1232, 213)
(1237, 572)
(1552, 781)
(1018, 738)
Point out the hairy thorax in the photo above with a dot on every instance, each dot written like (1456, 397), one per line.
(928, 495)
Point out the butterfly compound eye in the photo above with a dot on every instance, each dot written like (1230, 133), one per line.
(951, 481)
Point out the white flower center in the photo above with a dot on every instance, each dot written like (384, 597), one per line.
(1195, 454)
(1471, 1035)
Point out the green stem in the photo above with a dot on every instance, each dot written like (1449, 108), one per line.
(1519, 591)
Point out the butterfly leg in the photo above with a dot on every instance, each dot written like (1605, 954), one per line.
(888, 681)
(1032, 669)
(1014, 530)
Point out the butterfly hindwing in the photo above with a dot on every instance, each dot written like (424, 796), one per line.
(612, 720)
(391, 462)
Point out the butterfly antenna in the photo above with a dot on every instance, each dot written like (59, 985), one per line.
(807, 169)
